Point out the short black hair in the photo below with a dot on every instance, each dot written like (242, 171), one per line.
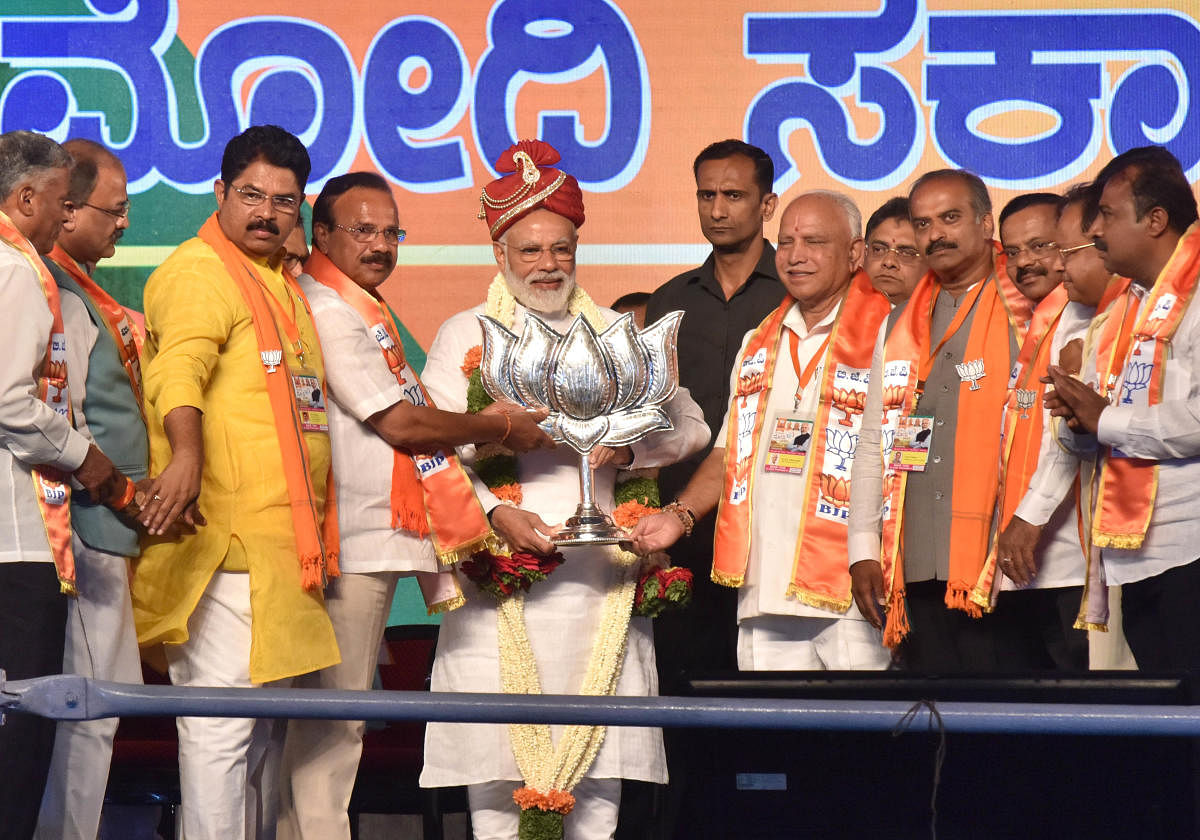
(631, 299)
(981, 202)
(1157, 180)
(322, 213)
(764, 168)
(1088, 198)
(895, 207)
(1027, 200)
(271, 143)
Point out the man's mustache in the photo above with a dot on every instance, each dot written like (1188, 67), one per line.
(384, 260)
(940, 245)
(263, 224)
(1030, 271)
(546, 276)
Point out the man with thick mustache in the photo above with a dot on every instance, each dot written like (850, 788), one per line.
(533, 214)
(234, 385)
(379, 419)
(920, 517)
(1136, 430)
(105, 376)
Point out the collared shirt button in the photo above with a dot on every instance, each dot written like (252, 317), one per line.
(941, 422)
(949, 355)
(937, 459)
(945, 387)
(938, 495)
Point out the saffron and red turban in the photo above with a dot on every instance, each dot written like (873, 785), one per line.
(531, 185)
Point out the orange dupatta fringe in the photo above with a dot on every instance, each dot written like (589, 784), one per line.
(976, 449)
(53, 494)
(430, 495)
(1023, 426)
(120, 327)
(820, 568)
(316, 541)
(1128, 486)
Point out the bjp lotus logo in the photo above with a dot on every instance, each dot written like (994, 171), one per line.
(835, 490)
(850, 403)
(600, 388)
(893, 397)
(842, 444)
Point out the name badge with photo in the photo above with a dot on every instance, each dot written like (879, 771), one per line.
(910, 448)
(791, 440)
(310, 401)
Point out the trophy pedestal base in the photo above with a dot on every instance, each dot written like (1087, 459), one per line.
(589, 526)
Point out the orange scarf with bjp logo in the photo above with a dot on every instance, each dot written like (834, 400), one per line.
(820, 568)
(909, 356)
(431, 494)
(53, 494)
(1023, 424)
(1131, 355)
(315, 531)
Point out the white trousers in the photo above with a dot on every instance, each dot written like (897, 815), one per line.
(494, 815)
(102, 644)
(320, 757)
(800, 643)
(228, 767)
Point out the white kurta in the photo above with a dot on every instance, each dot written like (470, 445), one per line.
(562, 612)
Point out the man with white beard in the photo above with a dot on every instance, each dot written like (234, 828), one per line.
(548, 639)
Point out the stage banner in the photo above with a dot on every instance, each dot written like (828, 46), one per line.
(860, 96)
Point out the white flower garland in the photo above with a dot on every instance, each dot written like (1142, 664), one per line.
(544, 765)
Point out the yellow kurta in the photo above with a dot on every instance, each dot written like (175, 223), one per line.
(201, 351)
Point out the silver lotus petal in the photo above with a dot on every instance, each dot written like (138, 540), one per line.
(629, 426)
(531, 362)
(630, 361)
(582, 435)
(660, 341)
(495, 365)
(582, 381)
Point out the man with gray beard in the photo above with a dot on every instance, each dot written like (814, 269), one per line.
(533, 215)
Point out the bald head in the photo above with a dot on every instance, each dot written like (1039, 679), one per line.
(820, 247)
(98, 193)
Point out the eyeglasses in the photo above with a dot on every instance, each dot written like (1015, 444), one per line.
(120, 213)
(367, 233)
(560, 251)
(1038, 250)
(253, 198)
(1067, 252)
(904, 253)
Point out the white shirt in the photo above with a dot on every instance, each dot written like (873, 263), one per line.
(1168, 432)
(777, 503)
(1050, 500)
(31, 433)
(361, 384)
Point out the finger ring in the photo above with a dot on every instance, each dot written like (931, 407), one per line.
(157, 497)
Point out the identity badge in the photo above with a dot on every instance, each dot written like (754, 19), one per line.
(791, 439)
(910, 449)
(310, 401)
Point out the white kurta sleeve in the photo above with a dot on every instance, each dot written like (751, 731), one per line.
(32, 431)
(866, 476)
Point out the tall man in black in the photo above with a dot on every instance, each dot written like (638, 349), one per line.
(724, 298)
(727, 296)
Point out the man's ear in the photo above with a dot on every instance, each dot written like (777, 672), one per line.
(320, 237)
(500, 255)
(989, 226)
(1157, 221)
(220, 192)
(770, 202)
(858, 249)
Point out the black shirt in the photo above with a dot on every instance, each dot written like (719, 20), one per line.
(709, 338)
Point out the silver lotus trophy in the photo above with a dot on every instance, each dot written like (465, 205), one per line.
(600, 388)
